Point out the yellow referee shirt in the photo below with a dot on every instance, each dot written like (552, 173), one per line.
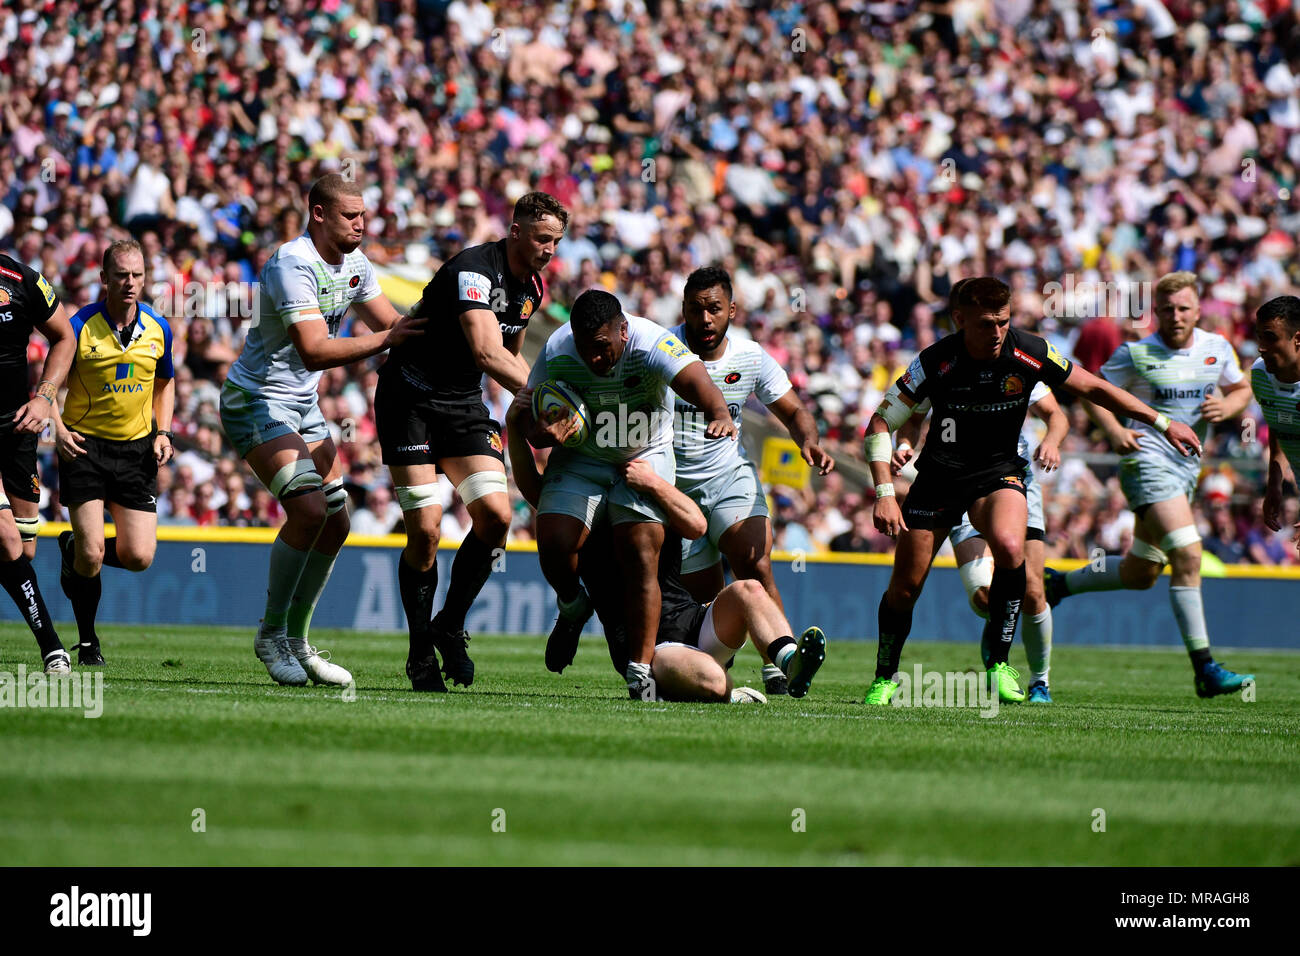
(110, 387)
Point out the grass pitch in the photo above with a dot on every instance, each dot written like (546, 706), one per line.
(531, 768)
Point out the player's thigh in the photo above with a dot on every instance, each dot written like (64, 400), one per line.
(270, 457)
(87, 518)
(1165, 516)
(137, 535)
(1001, 517)
(969, 549)
(705, 584)
(637, 544)
(728, 614)
(325, 456)
(746, 544)
(480, 481)
(684, 673)
(560, 534)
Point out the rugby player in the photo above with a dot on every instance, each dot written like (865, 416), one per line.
(271, 414)
(1190, 376)
(28, 302)
(718, 476)
(973, 561)
(431, 417)
(695, 641)
(1275, 381)
(979, 380)
(113, 436)
(623, 367)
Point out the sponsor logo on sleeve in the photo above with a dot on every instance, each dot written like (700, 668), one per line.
(672, 346)
(354, 282)
(46, 290)
(1211, 360)
(1056, 356)
(474, 287)
(1029, 359)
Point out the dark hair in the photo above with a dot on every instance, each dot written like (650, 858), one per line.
(985, 293)
(706, 278)
(532, 207)
(329, 189)
(1285, 308)
(594, 310)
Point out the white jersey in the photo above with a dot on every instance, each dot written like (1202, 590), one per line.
(631, 414)
(296, 285)
(745, 368)
(1280, 402)
(1174, 382)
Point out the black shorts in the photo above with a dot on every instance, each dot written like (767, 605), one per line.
(18, 464)
(938, 498)
(417, 429)
(122, 472)
(681, 624)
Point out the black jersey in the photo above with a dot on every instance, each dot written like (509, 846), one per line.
(979, 406)
(25, 299)
(439, 362)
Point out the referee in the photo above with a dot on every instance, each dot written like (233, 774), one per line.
(27, 302)
(109, 449)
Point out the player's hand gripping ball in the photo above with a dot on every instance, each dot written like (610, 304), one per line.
(553, 394)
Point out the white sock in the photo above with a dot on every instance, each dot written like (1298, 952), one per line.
(772, 670)
(1037, 637)
(1189, 611)
(636, 673)
(1087, 579)
(287, 564)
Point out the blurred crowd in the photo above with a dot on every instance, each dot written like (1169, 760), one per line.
(846, 161)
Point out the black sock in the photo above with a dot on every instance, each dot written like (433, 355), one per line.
(775, 648)
(19, 579)
(894, 628)
(84, 594)
(1006, 594)
(111, 560)
(418, 590)
(1201, 657)
(469, 572)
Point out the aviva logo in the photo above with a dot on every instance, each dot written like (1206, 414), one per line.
(125, 370)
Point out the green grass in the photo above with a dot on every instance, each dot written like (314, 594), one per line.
(292, 776)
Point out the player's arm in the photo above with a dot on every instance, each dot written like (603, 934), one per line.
(798, 421)
(1049, 410)
(514, 343)
(44, 404)
(909, 433)
(1277, 469)
(311, 338)
(693, 384)
(523, 467)
(1100, 392)
(378, 314)
(893, 413)
(1228, 401)
(486, 345)
(164, 405)
(684, 515)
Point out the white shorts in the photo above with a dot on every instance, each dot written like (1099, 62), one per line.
(1148, 480)
(726, 500)
(579, 486)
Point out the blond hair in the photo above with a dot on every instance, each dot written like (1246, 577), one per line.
(1175, 282)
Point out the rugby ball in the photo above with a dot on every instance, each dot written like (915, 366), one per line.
(553, 394)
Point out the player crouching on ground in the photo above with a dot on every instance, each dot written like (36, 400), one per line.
(694, 642)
